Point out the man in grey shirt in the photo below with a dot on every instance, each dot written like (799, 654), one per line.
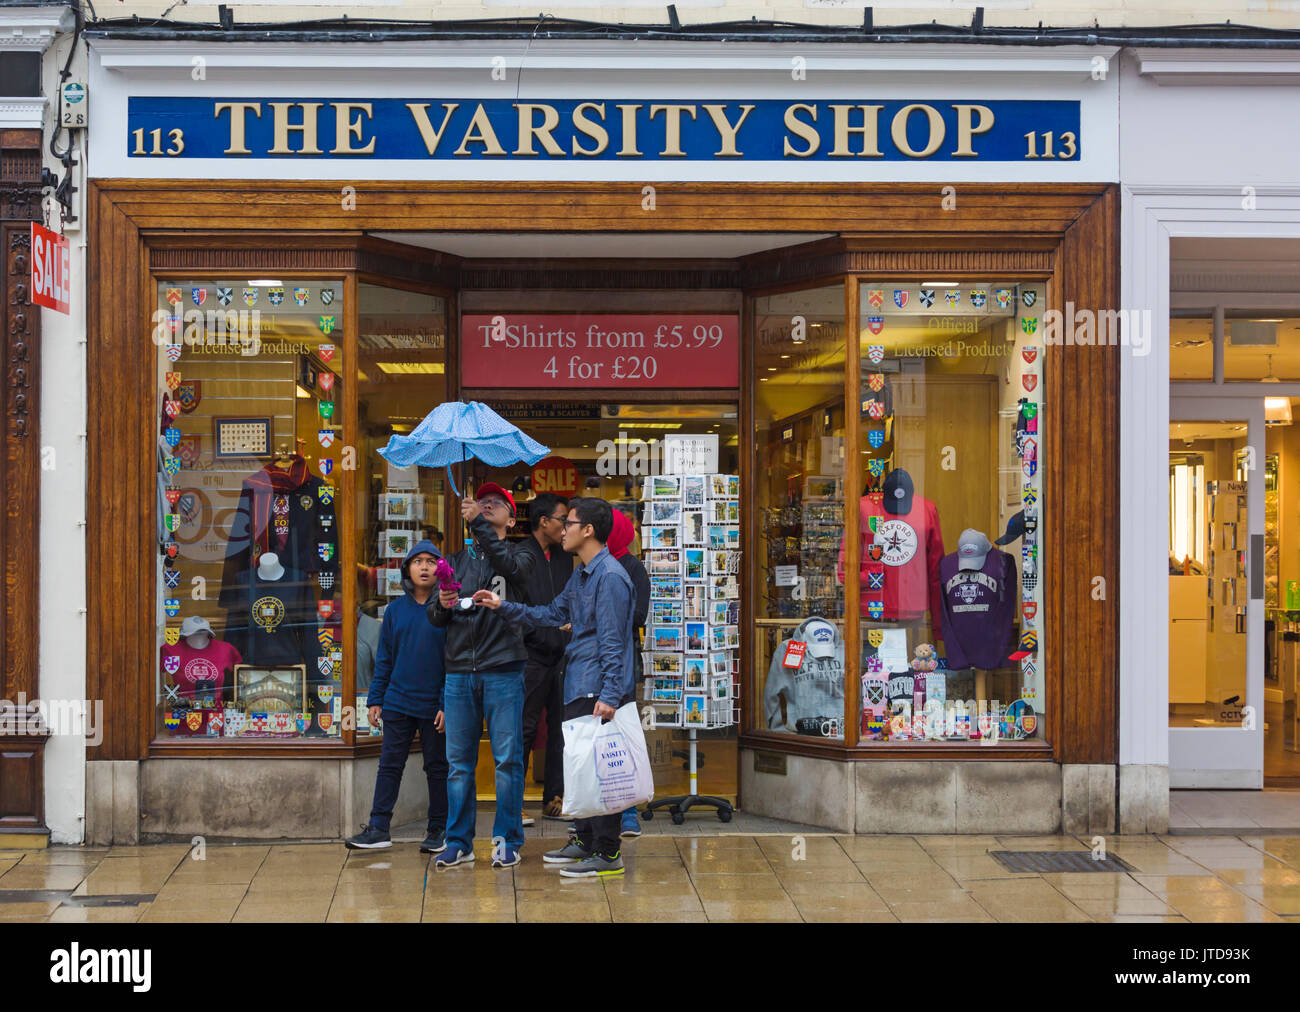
(598, 602)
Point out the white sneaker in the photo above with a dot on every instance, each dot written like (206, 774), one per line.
(528, 819)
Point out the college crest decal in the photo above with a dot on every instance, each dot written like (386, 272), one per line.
(174, 296)
(1029, 298)
(301, 295)
(199, 295)
(1003, 298)
(952, 297)
(325, 437)
(978, 297)
(173, 353)
(876, 581)
(324, 693)
(302, 721)
(172, 466)
(875, 637)
(900, 298)
(876, 353)
(1029, 355)
(172, 635)
(275, 296)
(326, 408)
(1029, 609)
(1030, 381)
(326, 467)
(325, 666)
(1029, 324)
(172, 435)
(325, 720)
(326, 352)
(876, 298)
(325, 580)
(325, 550)
(327, 296)
(926, 297)
(876, 467)
(875, 324)
(876, 381)
(172, 607)
(172, 577)
(250, 296)
(876, 438)
(171, 664)
(188, 395)
(875, 609)
(325, 609)
(327, 324)
(1029, 495)
(326, 381)
(173, 380)
(194, 720)
(225, 296)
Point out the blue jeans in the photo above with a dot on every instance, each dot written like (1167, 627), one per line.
(399, 732)
(500, 698)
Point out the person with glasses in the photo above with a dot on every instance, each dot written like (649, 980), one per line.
(543, 673)
(485, 678)
(599, 602)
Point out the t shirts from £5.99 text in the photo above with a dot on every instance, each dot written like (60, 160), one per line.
(910, 546)
(979, 606)
(186, 666)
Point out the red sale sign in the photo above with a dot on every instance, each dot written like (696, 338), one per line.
(555, 474)
(51, 271)
(591, 350)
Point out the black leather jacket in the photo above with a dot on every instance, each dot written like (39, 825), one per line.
(546, 646)
(480, 638)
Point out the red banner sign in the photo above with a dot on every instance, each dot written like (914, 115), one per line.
(580, 351)
(51, 273)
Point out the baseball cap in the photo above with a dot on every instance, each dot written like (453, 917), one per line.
(898, 492)
(972, 549)
(1015, 529)
(195, 623)
(820, 636)
(491, 487)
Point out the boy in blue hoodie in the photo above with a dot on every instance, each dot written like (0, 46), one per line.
(406, 691)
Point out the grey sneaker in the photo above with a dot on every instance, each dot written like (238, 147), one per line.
(570, 852)
(595, 867)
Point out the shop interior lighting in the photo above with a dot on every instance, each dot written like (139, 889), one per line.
(424, 368)
(1277, 410)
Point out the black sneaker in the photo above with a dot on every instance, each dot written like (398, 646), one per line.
(435, 841)
(370, 838)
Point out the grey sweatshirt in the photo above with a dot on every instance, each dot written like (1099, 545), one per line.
(814, 689)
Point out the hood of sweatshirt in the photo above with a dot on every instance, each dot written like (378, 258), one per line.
(423, 546)
(620, 535)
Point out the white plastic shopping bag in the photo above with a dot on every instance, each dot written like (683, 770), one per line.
(606, 766)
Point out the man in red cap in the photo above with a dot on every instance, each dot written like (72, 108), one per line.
(485, 658)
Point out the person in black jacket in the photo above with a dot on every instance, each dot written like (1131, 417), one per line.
(485, 678)
(544, 672)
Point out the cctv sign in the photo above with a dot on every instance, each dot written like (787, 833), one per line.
(51, 273)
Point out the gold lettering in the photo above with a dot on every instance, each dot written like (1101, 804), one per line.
(898, 130)
(629, 148)
(869, 131)
(672, 127)
(802, 129)
(591, 128)
(430, 136)
(965, 131)
(238, 110)
(307, 128)
(480, 131)
(726, 131)
(528, 129)
(345, 128)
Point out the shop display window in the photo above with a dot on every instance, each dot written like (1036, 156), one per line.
(798, 647)
(401, 376)
(249, 373)
(1191, 345)
(949, 493)
(1260, 345)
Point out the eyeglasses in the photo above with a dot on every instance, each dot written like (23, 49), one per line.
(491, 504)
(570, 523)
(558, 520)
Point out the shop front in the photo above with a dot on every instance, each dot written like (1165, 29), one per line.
(875, 494)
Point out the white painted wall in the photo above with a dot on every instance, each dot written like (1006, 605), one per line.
(65, 581)
(1195, 131)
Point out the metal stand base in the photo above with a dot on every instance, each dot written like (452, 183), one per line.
(679, 806)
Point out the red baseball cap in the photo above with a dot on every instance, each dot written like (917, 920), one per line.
(491, 487)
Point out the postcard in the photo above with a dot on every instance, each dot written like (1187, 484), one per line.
(666, 637)
(397, 543)
(723, 562)
(724, 486)
(719, 663)
(696, 670)
(665, 486)
(665, 587)
(665, 613)
(397, 505)
(664, 665)
(697, 637)
(662, 511)
(654, 538)
(717, 637)
(719, 612)
(693, 489)
(695, 606)
(692, 527)
(663, 563)
(720, 686)
(721, 588)
(733, 637)
(693, 710)
(694, 563)
(718, 535)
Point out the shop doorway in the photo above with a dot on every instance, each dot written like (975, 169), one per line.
(1216, 593)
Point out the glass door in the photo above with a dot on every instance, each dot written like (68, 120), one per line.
(1216, 592)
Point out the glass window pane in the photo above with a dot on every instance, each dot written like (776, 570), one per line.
(1208, 590)
(1260, 344)
(1191, 345)
(949, 483)
(402, 346)
(798, 657)
(248, 633)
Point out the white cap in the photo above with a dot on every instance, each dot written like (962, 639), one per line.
(972, 548)
(820, 636)
(193, 624)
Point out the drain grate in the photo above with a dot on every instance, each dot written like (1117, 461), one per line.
(1057, 861)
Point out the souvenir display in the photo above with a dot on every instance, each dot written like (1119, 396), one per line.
(246, 509)
(692, 638)
(805, 681)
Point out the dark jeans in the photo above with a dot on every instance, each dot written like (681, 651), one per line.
(544, 687)
(399, 732)
(599, 835)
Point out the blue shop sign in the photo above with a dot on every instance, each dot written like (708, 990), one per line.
(645, 130)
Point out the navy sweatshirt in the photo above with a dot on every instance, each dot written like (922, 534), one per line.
(409, 673)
